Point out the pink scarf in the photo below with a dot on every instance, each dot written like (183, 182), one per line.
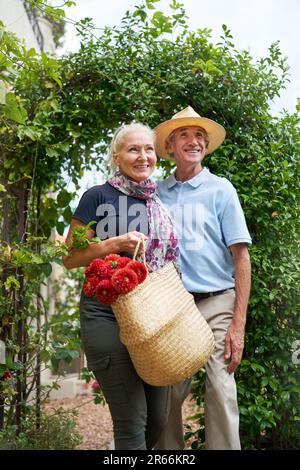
(162, 244)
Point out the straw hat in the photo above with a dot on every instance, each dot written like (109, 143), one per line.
(185, 118)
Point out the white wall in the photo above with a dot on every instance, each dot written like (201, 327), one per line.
(46, 31)
(15, 18)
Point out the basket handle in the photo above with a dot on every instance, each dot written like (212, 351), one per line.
(140, 240)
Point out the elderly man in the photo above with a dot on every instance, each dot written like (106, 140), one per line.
(215, 265)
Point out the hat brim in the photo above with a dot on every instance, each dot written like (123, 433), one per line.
(216, 133)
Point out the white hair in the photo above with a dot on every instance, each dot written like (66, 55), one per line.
(120, 136)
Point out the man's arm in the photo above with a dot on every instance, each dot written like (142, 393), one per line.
(234, 342)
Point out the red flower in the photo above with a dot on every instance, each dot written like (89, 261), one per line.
(89, 287)
(123, 261)
(105, 272)
(94, 268)
(139, 269)
(124, 280)
(7, 375)
(95, 385)
(108, 277)
(112, 257)
(116, 261)
(105, 292)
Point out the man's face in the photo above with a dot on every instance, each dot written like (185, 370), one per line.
(188, 145)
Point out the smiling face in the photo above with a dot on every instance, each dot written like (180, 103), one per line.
(188, 145)
(136, 156)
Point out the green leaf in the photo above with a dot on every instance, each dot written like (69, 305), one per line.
(9, 362)
(150, 3)
(7, 163)
(95, 240)
(98, 400)
(46, 268)
(13, 110)
(12, 283)
(285, 395)
(64, 147)
(63, 198)
(86, 374)
(60, 226)
(51, 152)
(68, 214)
(31, 52)
(74, 133)
(45, 355)
(31, 133)
(74, 354)
(57, 80)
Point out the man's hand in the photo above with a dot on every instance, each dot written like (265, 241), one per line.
(234, 345)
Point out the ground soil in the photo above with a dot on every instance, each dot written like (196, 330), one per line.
(94, 421)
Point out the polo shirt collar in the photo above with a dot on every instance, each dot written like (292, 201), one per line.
(194, 182)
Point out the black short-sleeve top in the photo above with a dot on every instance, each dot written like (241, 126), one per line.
(114, 213)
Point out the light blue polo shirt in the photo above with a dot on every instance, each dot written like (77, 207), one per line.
(208, 219)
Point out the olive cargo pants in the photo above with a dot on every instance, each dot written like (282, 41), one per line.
(139, 411)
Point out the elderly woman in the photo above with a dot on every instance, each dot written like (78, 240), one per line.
(125, 209)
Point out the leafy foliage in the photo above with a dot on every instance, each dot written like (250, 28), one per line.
(55, 432)
(57, 117)
(80, 239)
(64, 326)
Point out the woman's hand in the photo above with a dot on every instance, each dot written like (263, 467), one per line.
(82, 257)
(127, 243)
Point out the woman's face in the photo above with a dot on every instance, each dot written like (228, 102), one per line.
(136, 157)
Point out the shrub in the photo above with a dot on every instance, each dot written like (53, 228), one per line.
(55, 432)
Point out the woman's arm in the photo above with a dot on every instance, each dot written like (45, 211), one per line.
(78, 258)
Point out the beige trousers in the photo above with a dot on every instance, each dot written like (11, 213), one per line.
(221, 409)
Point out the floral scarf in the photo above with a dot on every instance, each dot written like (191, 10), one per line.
(162, 244)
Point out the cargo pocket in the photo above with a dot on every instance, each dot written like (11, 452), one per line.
(111, 383)
(99, 364)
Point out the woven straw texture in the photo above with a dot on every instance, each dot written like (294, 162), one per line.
(166, 336)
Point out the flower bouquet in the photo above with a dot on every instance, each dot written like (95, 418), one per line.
(114, 275)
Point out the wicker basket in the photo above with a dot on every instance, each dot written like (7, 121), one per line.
(166, 336)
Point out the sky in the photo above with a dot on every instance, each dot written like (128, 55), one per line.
(254, 24)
